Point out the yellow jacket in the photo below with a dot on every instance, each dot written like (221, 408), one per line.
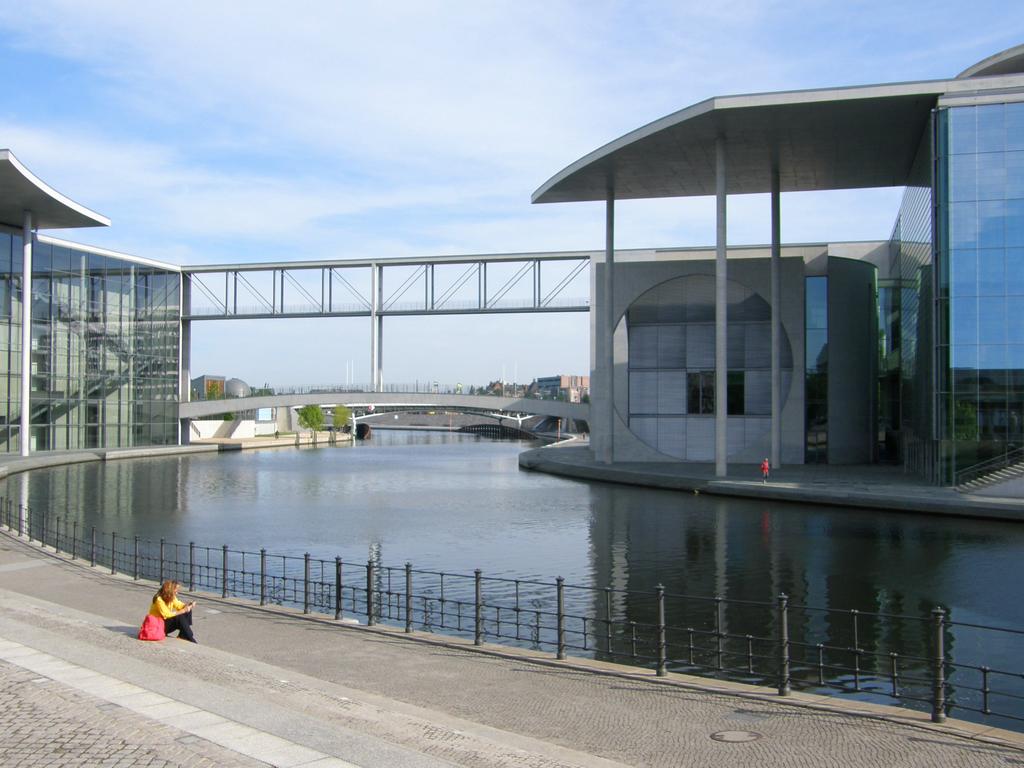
(163, 610)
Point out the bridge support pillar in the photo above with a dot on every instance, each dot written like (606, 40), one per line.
(374, 327)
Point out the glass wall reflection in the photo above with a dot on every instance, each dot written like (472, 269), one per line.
(104, 350)
(981, 197)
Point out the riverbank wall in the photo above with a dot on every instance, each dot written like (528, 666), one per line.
(11, 464)
(864, 487)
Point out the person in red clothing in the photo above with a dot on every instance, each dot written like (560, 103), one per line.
(177, 615)
(765, 467)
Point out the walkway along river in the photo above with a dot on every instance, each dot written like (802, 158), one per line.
(860, 586)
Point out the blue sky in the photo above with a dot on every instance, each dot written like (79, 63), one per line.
(220, 132)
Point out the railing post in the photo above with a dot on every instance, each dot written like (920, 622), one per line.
(161, 561)
(263, 576)
(42, 533)
(135, 557)
(408, 597)
(854, 613)
(224, 571)
(560, 605)
(74, 539)
(191, 566)
(478, 623)
(370, 621)
(939, 661)
(337, 588)
(92, 553)
(784, 686)
(608, 619)
(305, 583)
(662, 651)
(718, 632)
(56, 534)
(113, 552)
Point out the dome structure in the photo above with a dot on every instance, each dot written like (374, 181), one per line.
(236, 388)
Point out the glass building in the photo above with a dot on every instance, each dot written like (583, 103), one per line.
(979, 159)
(930, 374)
(101, 366)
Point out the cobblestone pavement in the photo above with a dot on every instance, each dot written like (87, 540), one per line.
(379, 699)
(45, 723)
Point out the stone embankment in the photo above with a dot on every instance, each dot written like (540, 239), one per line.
(270, 686)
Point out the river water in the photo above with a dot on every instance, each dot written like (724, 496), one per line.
(453, 503)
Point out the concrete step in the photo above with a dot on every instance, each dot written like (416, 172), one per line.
(992, 478)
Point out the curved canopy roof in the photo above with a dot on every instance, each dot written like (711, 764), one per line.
(21, 190)
(1008, 62)
(837, 138)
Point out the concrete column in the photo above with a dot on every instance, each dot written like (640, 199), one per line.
(185, 357)
(380, 353)
(721, 315)
(776, 297)
(607, 330)
(26, 335)
(374, 307)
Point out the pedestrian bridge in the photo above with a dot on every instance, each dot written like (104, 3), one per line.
(490, 404)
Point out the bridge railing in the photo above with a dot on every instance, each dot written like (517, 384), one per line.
(414, 387)
(927, 662)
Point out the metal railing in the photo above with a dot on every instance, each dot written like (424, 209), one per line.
(1001, 461)
(780, 643)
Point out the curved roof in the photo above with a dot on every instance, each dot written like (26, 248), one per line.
(1008, 62)
(836, 138)
(21, 190)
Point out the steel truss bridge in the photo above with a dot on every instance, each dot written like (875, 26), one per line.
(377, 288)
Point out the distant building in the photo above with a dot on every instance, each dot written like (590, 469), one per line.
(217, 388)
(572, 389)
(208, 387)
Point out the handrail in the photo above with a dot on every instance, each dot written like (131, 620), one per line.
(770, 643)
(997, 462)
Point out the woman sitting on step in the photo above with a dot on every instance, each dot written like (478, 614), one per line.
(176, 614)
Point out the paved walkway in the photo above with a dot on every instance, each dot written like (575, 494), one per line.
(268, 686)
(868, 486)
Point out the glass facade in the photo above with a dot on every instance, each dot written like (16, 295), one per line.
(905, 423)
(980, 304)
(816, 369)
(671, 333)
(105, 346)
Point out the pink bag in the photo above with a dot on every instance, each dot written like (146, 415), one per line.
(152, 628)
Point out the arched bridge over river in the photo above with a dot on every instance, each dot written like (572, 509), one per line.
(487, 404)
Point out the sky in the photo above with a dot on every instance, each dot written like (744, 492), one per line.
(214, 132)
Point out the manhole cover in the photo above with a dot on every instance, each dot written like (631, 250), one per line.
(735, 737)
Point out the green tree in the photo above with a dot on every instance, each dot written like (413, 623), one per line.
(312, 417)
(342, 417)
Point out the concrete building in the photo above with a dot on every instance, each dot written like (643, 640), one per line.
(208, 387)
(908, 351)
(569, 388)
